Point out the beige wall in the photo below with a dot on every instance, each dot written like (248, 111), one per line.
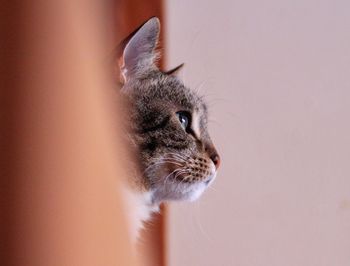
(277, 79)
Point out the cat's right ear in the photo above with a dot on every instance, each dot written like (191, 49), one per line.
(175, 71)
(138, 50)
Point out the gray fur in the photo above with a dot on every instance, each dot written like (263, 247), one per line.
(175, 164)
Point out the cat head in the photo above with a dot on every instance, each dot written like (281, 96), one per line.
(168, 122)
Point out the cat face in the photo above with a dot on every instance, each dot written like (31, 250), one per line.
(168, 123)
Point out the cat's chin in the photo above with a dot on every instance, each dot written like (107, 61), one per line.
(181, 191)
(195, 193)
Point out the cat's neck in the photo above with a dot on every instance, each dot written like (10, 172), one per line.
(139, 209)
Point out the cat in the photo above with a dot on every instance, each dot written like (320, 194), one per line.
(168, 131)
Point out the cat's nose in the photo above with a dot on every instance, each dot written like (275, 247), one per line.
(213, 154)
(216, 160)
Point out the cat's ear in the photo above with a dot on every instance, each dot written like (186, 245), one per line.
(175, 70)
(139, 49)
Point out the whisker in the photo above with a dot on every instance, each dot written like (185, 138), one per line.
(199, 86)
(178, 156)
(198, 221)
(172, 161)
(152, 165)
(166, 178)
(179, 171)
(162, 161)
(212, 188)
(185, 178)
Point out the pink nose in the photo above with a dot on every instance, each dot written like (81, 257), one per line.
(213, 154)
(216, 160)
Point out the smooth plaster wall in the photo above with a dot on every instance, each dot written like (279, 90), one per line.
(277, 79)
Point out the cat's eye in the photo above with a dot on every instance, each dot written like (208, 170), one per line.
(185, 120)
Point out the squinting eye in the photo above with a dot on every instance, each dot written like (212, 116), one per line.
(185, 119)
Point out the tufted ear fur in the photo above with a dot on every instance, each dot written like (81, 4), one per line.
(139, 50)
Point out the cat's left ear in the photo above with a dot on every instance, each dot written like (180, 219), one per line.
(139, 50)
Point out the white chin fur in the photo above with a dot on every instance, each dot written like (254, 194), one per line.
(197, 192)
(184, 191)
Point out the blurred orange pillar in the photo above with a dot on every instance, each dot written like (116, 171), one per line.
(60, 167)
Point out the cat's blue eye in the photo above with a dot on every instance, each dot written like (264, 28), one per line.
(185, 119)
